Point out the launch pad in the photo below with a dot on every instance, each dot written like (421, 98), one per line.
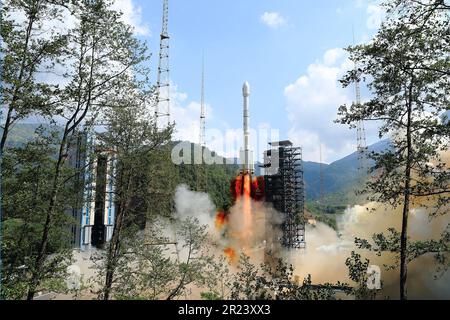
(282, 184)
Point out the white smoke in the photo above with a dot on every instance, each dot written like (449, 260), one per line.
(327, 250)
(191, 204)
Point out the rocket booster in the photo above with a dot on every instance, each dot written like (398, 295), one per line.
(245, 184)
(246, 153)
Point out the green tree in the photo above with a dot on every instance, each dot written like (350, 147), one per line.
(144, 266)
(27, 51)
(216, 177)
(197, 265)
(358, 273)
(134, 139)
(149, 265)
(101, 50)
(164, 182)
(27, 173)
(247, 283)
(275, 280)
(406, 66)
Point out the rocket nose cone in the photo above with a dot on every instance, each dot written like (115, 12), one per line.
(246, 89)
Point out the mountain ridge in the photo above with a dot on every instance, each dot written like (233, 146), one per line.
(339, 176)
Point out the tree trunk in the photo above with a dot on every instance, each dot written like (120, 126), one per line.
(406, 205)
(40, 259)
(115, 241)
(181, 284)
(39, 262)
(112, 256)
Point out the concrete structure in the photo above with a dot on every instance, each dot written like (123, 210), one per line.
(94, 208)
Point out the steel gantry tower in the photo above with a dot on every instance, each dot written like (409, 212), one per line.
(285, 189)
(162, 108)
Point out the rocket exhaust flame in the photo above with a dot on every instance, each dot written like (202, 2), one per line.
(231, 255)
(241, 189)
(245, 189)
(221, 220)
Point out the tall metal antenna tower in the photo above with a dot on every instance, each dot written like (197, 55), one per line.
(162, 108)
(361, 136)
(360, 128)
(202, 140)
(202, 178)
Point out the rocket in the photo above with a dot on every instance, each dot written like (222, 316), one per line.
(246, 185)
(246, 153)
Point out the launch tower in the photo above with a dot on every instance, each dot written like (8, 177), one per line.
(284, 187)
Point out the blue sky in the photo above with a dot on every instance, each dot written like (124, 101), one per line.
(289, 51)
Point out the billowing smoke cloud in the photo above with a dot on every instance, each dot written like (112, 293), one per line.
(328, 250)
(195, 205)
(252, 240)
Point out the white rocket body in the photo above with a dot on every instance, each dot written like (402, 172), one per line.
(246, 153)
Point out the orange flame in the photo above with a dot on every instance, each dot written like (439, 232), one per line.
(231, 255)
(246, 206)
(237, 187)
(221, 220)
(243, 188)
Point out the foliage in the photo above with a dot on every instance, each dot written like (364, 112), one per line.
(358, 273)
(96, 53)
(275, 280)
(133, 141)
(211, 296)
(151, 266)
(406, 66)
(27, 175)
(199, 267)
(217, 176)
(27, 51)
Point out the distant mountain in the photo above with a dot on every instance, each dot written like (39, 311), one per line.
(339, 176)
(20, 134)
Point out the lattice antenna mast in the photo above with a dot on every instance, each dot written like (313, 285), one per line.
(361, 130)
(202, 178)
(361, 136)
(202, 140)
(162, 108)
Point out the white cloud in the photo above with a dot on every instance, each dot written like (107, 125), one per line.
(376, 15)
(186, 115)
(331, 56)
(312, 104)
(273, 20)
(132, 15)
